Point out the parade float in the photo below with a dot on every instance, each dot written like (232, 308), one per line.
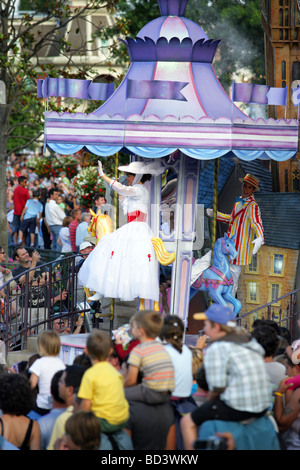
(171, 106)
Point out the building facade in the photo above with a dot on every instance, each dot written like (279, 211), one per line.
(281, 25)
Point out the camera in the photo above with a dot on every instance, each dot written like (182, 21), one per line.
(212, 443)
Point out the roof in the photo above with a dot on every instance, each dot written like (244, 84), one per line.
(280, 214)
(263, 174)
(226, 167)
(206, 181)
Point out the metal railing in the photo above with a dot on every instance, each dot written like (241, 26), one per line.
(32, 306)
(283, 310)
(41, 297)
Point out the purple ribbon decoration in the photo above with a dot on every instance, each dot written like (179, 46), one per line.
(259, 94)
(277, 96)
(73, 88)
(155, 89)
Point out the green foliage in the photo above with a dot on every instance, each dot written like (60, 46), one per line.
(53, 166)
(130, 18)
(87, 184)
(238, 24)
(23, 40)
(37, 5)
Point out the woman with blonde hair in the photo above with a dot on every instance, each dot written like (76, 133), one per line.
(43, 369)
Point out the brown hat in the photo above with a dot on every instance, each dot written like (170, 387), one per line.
(251, 179)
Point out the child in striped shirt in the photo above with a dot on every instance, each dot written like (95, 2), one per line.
(151, 360)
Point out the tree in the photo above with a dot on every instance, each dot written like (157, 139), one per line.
(47, 40)
(130, 17)
(238, 24)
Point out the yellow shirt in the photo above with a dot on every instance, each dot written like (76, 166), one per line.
(103, 385)
(59, 427)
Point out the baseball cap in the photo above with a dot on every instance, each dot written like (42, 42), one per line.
(218, 314)
(85, 245)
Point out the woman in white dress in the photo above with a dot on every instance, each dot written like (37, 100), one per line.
(123, 264)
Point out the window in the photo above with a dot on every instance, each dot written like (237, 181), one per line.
(278, 264)
(283, 70)
(252, 267)
(252, 291)
(286, 181)
(280, 17)
(295, 71)
(296, 181)
(274, 292)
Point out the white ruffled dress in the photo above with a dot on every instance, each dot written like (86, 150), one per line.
(123, 264)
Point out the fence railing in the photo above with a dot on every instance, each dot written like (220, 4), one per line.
(286, 316)
(53, 296)
(42, 298)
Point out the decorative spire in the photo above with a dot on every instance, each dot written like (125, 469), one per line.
(172, 7)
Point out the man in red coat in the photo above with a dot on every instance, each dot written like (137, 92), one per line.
(245, 222)
(20, 197)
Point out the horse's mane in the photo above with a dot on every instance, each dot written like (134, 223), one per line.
(218, 257)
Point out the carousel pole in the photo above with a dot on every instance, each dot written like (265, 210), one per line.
(115, 223)
(115, 213)
(215, 206)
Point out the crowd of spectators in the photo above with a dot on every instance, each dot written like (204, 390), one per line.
(38, 208)
(146, 390)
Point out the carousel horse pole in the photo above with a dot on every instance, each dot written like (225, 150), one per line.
(217, 280)
(215, 205)
(114, 224)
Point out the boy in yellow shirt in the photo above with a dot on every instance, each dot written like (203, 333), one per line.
(102, 386)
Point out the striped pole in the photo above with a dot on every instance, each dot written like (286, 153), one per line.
(115, 223)
(215, 206)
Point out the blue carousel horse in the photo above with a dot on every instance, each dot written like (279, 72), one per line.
(217, 280)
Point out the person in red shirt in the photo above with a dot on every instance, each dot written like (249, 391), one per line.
(20, 197)
(76, 215)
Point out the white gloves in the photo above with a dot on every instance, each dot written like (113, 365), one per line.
(210, 212)
(258, 242)
(100, 170)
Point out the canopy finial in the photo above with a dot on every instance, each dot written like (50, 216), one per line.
(172, 7)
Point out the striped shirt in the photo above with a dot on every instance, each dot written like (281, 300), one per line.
(155, 365)
(72, 229)
(244, 221)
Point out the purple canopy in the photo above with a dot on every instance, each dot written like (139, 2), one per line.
(171, 99)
